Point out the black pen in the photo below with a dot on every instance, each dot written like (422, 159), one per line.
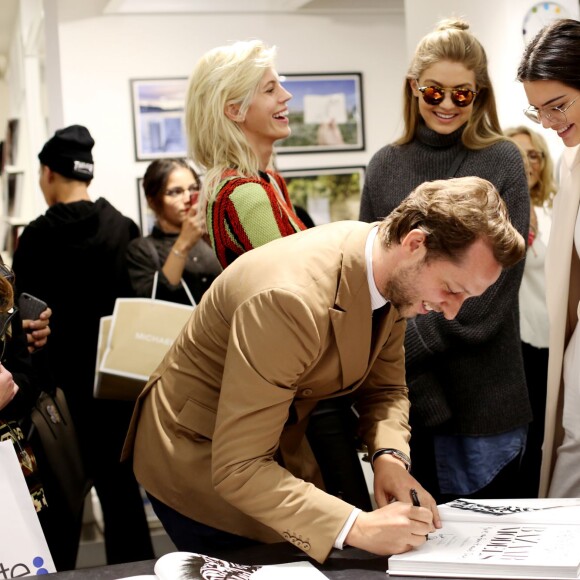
(416, 502)
(415, 497)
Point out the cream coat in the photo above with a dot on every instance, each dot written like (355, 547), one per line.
(218, 432)
(563, 301)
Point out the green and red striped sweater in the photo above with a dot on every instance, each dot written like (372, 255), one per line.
(248, 212)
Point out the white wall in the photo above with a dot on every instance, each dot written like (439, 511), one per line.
(100, 55)
(3, 107)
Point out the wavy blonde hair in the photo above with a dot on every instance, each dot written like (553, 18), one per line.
(227, 75)
(452, 41)
(545, 190)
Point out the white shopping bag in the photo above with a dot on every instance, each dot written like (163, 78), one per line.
(23, 548)
(134, 340)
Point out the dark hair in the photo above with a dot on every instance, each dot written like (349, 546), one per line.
(156, 178)
(553, 54)
(454, 213)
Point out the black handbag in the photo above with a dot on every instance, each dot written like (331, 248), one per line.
(53, 434)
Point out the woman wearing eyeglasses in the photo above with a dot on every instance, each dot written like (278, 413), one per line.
(532, 296)
(174, 248)
(469, 401)
(550, 72)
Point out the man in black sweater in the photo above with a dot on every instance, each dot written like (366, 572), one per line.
(73, 257)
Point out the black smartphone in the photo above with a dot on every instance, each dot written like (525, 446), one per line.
(30, 307)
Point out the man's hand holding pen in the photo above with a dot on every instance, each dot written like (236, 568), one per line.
(397, 525)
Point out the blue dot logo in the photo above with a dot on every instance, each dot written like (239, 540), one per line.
(38, 563)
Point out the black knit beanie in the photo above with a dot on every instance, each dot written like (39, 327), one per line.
(68, 153)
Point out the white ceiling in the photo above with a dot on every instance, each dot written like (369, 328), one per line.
(74, 9)
(237, 6)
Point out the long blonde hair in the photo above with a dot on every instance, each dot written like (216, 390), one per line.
(227, 75)
(545, 189)
(452, 41)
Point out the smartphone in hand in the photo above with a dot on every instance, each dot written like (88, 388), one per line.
(30, 307)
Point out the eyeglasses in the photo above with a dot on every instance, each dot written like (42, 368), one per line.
(177, 191)
(534, 156)
(555, 115)
(435, 95)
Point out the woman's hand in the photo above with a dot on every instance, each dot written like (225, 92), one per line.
(37, 331)
(8, 388)
(191, 231)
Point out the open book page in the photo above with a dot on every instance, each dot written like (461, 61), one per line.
(499, 539)
(190, 566)
(549, 510)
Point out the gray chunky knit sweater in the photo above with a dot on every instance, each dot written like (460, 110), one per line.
(466, 375)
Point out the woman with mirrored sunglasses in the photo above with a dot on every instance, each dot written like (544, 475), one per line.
(174, 248)
(550, 72)
(469, 401)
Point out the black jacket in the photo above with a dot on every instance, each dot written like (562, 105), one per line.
(73, 258)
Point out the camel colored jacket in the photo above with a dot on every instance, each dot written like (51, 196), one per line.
(218, 432)
(563, 301)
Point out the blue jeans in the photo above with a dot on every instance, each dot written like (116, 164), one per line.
(191, 536)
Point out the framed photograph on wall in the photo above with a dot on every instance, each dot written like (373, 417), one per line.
(327, 194)
(326, 113)
(146, 214)
(158, 117)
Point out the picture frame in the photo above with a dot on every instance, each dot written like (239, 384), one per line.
(327, 194)
(159, 117)
(325, 113)
(146, 214)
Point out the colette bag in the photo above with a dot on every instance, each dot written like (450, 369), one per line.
(134, 340)
(23, 547)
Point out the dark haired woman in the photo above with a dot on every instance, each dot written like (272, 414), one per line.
(550, 71)
(174, 248)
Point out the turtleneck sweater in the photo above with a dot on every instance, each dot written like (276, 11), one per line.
(466, 375)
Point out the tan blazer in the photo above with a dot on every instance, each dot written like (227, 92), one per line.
(218, 432)
(563, 301)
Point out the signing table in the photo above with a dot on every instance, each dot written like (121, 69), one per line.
(348, 564)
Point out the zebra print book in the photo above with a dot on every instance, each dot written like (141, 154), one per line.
(191, 566)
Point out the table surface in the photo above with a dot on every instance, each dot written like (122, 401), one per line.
(348, 564)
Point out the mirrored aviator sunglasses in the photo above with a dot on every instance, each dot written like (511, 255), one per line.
(434, 95)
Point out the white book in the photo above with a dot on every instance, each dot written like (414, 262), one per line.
(192, 566)
(513, 538)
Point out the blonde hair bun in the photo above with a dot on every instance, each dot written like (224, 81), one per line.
(452, 23)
